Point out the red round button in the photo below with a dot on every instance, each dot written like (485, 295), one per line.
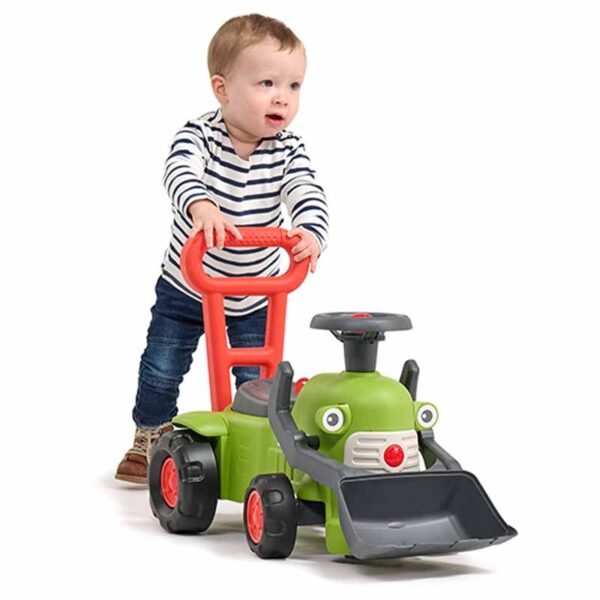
(393, 455)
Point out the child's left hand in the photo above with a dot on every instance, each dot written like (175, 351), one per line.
(308, 246)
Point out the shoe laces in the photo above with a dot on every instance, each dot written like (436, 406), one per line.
(144, 438)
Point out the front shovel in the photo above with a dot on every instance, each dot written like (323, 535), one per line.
(385, 516)
(391, 515)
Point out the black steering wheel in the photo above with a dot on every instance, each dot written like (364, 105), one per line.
(360, 322)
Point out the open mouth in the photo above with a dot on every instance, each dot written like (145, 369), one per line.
(275, 119)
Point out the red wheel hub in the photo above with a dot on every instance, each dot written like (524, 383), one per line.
(169, 482)
(254, 517)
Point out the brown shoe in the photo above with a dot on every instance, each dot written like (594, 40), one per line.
(134, 465)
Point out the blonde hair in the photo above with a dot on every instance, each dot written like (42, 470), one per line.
(238, 33)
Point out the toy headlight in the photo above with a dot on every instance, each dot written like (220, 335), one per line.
(426, 415)
(333, 419)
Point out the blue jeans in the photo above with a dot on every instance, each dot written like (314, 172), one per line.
(173, 335)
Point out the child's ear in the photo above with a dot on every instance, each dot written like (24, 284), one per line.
(218, 85)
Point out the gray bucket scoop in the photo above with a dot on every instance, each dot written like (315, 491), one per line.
(385, 516)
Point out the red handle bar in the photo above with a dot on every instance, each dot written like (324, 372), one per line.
(194, 249)
(213, 289)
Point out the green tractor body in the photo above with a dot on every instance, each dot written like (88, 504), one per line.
(245, 445)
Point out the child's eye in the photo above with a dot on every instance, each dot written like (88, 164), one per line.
(295, 85)
(266, 83)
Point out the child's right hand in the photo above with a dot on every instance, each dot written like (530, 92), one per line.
(208, 218)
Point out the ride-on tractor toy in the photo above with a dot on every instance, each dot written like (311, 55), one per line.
(353, 451)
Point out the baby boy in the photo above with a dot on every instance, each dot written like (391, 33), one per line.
(230, 168)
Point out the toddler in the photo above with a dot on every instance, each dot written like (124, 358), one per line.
(230, 168)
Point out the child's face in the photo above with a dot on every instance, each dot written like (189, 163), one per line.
(262, 91)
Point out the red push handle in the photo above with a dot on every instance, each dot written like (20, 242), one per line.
(213, 289)
(194, 249)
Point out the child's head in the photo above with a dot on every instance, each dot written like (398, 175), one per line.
(257, 65)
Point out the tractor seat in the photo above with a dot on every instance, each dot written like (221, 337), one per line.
(252, 397)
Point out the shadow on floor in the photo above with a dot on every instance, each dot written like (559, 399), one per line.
(226, 537)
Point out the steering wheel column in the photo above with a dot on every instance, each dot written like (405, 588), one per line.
(360, 333)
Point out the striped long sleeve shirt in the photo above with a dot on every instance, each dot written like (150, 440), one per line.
(202, 163)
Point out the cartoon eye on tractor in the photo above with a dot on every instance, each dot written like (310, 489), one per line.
(352, 451)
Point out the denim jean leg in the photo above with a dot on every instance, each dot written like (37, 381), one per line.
(173, 335)
(247, 332)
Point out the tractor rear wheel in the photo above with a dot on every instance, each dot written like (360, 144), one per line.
(270, 516)
(183, 478)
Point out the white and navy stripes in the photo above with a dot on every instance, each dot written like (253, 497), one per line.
(203, 164)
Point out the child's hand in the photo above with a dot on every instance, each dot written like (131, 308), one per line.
(308, 246)
(208, 218)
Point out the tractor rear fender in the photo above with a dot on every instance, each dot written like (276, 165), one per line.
(207, 424)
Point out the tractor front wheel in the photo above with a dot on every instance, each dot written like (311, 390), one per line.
(183, 478)
(270, 516)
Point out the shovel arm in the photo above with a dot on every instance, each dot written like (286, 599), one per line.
(294, 442)
(436, 458)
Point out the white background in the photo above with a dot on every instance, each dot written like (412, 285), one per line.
(458, 143)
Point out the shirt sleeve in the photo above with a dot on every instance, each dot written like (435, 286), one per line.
(303, 197)
(184, 169)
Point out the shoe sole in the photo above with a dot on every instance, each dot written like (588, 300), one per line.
(131, 479)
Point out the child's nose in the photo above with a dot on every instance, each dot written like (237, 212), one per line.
(280, 98)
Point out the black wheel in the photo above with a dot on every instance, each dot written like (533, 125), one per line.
(183, 478)
(270, 517)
